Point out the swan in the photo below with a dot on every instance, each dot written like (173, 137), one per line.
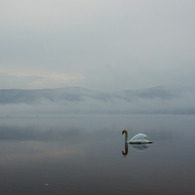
(140, 138)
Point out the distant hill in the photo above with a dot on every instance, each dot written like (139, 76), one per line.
(13, 96)
(77, 100)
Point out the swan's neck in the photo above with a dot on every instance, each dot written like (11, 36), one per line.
(126, 135)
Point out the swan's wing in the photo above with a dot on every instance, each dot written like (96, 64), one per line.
(139, 136)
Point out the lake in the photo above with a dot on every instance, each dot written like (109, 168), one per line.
(82, 154)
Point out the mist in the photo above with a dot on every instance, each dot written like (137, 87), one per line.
(158, 100)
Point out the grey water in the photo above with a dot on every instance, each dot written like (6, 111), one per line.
(82, 154)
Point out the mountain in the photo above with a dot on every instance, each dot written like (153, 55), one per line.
(79, 100)
(72, 94)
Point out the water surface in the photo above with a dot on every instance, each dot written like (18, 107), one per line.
(83, 155)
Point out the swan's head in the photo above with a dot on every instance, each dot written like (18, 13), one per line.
(124, 131)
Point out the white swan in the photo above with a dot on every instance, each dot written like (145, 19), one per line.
(140, 138)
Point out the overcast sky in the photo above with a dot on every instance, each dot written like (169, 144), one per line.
(98, 44)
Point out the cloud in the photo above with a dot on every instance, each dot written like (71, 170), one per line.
(36, 79)
(113, 44)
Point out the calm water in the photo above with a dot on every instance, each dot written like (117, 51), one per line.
(83, 155)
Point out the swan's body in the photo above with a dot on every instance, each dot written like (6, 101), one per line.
(140, 138)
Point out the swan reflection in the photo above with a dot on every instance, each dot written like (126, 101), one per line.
(140, 147)
(137, 147)
(126, 150)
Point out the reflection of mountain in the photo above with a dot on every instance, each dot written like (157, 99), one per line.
(152, 100)
(21, 133)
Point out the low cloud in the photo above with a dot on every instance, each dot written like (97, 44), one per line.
(83, 101)
(33, 79)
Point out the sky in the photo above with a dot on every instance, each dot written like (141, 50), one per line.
(106, 45)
